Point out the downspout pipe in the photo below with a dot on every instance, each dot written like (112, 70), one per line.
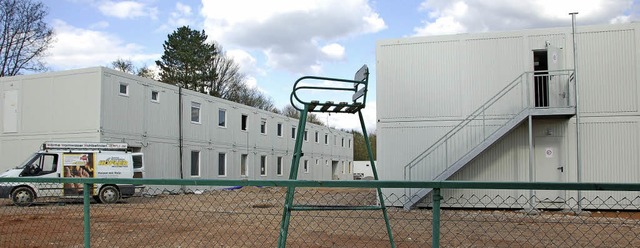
(180, 138)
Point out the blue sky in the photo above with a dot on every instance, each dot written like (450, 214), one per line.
(277, 41)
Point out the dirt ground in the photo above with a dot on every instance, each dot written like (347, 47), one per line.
(250, 217)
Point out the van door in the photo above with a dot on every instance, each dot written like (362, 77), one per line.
(138, 165)
(44, 165)
(77, 165)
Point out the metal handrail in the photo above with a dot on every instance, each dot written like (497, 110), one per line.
(483, 108)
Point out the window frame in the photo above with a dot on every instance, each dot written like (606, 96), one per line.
(279, 166)
(198, 106)
(222, 155)
(279, 129)
(263, 165)
(126, 89)
(244, 119)
(197, 166)
(306, 166)
(293, 132)
(244, 158)
(224, 115)
(263, 126)
(157, 94)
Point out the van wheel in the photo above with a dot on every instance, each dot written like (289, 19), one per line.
(109, 194)
(23, 196)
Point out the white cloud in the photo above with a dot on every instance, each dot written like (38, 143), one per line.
(182, 15)
(333, 51)
(290, 33)
(79, 48)
(448, 17)
(245, 61)
(127, 9)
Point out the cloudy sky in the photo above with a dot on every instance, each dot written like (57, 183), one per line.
(277, 41)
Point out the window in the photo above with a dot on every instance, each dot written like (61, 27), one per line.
(349, 168)
(155, 96)
(343, 167)
(263, 165)
(195, 163)
(263, 126)
(222, 164)
(305, 135)
(342, 142)
(279, 166)
(317, 137)
(279, 129)
(306, 166)
(124, 89)
(243, 125)
(43, 164)
(349, 143)
(195, 112)
(335, 140)
(293, 132)
(243, 165)
(222, 117)
(326, 139)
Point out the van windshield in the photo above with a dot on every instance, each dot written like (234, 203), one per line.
(28, 161)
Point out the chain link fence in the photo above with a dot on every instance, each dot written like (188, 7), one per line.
(226, 215)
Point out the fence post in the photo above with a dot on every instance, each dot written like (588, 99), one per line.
(87, 225)
(436, 218)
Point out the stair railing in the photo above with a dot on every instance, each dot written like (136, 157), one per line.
(515, 97)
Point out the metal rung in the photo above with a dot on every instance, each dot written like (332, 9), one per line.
(326, 106)
(313, 105)
(355, 107)
(340, 106)
(332, 208)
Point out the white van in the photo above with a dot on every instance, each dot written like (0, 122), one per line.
(65, 160)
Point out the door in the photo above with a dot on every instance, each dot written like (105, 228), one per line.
(549, 167)
(77, 165)
(557, 84)
(44, 165)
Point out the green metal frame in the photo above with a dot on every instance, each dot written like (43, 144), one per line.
(359, 98)
(436, 185)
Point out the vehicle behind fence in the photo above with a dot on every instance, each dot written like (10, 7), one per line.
(233, 213)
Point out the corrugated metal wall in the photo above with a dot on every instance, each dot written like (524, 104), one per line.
(154, 126)
(427, 84)
(58, 106)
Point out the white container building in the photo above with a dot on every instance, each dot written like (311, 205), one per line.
(502, 107)
(188, 135)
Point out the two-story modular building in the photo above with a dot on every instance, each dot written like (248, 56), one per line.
(504, 106)
(182, 133)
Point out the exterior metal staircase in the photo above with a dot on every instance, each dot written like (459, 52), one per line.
(532, 94)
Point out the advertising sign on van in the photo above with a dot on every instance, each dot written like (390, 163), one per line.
(77, 165)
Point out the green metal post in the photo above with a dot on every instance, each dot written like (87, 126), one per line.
(87, 223)
(293, 174)
(375, 176)
(436, 218)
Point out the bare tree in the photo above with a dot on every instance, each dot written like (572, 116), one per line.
(123, 65)
(126, 65)
(292, 112)
(223, 75)
(24, 36)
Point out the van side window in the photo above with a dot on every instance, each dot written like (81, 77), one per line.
(49, 163)
(42, 165)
